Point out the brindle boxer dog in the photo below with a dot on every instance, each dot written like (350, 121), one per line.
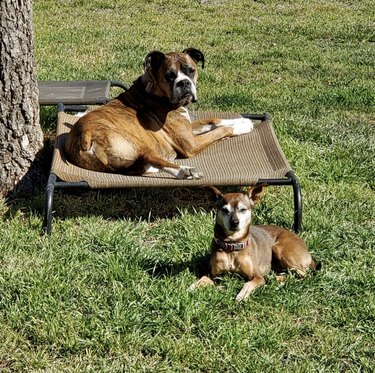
(145, 128)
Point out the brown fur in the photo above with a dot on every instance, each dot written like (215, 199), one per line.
(266, 246)
(147, 125)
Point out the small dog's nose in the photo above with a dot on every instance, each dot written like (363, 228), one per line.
(234, 223)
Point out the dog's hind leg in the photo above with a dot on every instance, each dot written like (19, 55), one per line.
(154, 163)
(290, 253)
(106, 153)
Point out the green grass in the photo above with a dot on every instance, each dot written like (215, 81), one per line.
(107, 291)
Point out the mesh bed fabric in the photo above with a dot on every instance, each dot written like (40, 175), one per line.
(240, 160)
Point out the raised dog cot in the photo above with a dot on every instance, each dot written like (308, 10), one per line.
(238, 161)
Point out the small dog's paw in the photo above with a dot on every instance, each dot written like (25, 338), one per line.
(246, 290)
(194, 286)
(187, 172)
(242, 126)
(202, 282)
(281, 279)
(241, 296)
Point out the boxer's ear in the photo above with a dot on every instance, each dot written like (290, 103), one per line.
(195, 54)
(153, 60)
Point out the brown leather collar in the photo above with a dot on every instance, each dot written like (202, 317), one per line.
(237, 246)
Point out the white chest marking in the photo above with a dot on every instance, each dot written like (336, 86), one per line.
(185, 113)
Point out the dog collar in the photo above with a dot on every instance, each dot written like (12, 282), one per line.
(231, 246)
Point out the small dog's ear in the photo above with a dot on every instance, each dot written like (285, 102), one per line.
(195, 54)
(256, 192)
(153, 60)
(217, 194)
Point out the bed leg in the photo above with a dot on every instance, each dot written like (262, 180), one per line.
(297, 199)
(48, 203)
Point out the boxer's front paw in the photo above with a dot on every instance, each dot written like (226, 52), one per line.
(240, 125)
(187, 172)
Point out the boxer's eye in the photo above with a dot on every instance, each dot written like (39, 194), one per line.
(191, 71)
(171, 76)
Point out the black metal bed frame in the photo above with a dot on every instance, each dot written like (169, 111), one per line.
(53, 184)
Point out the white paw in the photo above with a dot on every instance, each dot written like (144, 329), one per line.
(242, 295)
(194, 286)
(151, 170)
(246, 290)
(202, 282)
(187, 172)
(240, 125)
(183, 172)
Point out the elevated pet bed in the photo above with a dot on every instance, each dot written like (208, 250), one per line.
(238, 161)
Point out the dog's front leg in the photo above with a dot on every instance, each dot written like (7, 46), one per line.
(249, 287)
(209, 132)
(203, 126)
(202, 282)
(240, 125)
(190, 145)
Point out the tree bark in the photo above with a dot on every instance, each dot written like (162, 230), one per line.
(21, 137)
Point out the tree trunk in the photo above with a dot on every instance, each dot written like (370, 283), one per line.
(21, 137)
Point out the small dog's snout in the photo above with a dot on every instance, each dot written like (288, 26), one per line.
(234, 223)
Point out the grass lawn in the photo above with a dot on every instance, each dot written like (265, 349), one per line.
(107, 292)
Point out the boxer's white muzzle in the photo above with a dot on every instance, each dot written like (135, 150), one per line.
(184, 90)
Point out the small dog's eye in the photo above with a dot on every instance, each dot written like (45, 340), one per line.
(224, 210)
(243, 210)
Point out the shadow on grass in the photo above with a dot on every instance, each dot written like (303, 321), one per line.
(148, 204)
(158, 269)
(135, 204)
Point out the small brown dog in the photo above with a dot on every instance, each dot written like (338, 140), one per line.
(251, 250)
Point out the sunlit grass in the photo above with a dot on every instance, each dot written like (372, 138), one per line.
(107, 291)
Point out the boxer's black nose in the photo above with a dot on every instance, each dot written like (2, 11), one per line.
(186, 83)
